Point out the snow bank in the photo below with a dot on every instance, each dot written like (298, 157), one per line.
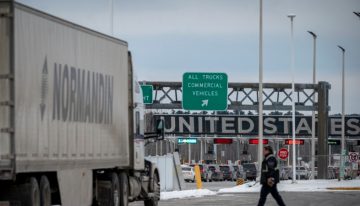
(247, 187)
(185, 194)
(299, 186)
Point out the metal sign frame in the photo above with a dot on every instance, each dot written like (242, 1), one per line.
(276, 97)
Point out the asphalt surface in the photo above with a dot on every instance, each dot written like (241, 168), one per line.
(336, 198)
(290, 198)
(213, 186)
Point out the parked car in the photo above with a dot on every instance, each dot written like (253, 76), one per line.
(301, 173)
(250, 171)
(333, 172)
(239, 172)
(216, 175)
(227, 172)
(188, 173)
(315, 173)
(204, 172)
(285, 172)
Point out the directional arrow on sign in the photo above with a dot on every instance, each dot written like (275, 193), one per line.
(205, 102)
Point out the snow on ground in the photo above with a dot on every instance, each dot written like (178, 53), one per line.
(299, 186)
(284, 186)
(185, 194)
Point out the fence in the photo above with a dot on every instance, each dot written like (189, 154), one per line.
(351, 169)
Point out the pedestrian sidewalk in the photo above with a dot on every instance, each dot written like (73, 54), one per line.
(186, 194)
(299, 186)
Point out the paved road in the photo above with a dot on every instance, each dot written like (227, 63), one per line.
(213, 186)
(290, 198)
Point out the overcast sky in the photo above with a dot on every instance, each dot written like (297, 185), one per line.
(170, 37)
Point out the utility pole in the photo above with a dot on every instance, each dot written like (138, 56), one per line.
(357, 14)
(292, 16)
(260, 94)
(112, 17)
(343, 152)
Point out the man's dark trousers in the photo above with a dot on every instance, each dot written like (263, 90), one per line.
(265, 190)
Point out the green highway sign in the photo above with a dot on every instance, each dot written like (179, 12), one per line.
(204, 91)
(147, 91)
(187, 141)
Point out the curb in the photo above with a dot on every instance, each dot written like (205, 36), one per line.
(344, 188)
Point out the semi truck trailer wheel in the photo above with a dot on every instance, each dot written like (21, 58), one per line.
(124, 189)
(45, 191)
(31, 193)
(115, 190)
(154, 201)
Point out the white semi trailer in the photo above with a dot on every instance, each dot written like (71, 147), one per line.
(71, 115)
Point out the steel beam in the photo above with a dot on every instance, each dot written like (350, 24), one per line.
(277, 97)
(242, 96)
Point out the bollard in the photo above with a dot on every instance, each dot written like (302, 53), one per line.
(198, 177)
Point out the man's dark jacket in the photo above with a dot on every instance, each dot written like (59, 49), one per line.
(269, 169)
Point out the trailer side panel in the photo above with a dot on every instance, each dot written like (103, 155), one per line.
(71, 86)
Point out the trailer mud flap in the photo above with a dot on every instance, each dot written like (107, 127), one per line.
(75, 187)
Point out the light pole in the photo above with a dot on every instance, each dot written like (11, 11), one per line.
(260, 98)
(357, 13)
(201, 149)
(112, 17)
(189, 148)
(215, 135)
(313, 129)
(292, 65)
(342, 160)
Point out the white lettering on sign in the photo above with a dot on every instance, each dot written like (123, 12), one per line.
(204, 85)
(205, 93)
(354, 125)
(335, 126)
(227, 122)
(172, 125)
(240, 125)
(303, 125)
(200, 125)
(283, 153)
(212, 123)
(269, 125)
(212, 77)
(189, 125)
(286, 124)
(193, 76)
(273, 125)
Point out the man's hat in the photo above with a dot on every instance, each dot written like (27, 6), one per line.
(269, 148)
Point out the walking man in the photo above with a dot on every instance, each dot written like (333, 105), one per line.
(269, 177)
